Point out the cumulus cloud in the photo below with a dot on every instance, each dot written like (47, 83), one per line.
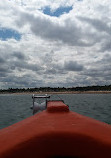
(106, 45)
(98, 24)
(66, 31)
(73, 66)
(19, 55)
(2, 60)
(73, 49)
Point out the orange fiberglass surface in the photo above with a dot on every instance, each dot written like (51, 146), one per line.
(56, 132)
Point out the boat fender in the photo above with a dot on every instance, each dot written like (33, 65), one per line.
(39, 107)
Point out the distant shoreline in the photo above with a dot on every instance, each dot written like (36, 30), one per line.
(65, 92)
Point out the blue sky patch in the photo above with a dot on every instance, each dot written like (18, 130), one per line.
(57, 12)
(9, 33)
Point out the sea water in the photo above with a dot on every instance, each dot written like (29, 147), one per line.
(14, 108)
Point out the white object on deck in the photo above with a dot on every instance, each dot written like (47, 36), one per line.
(39, 107)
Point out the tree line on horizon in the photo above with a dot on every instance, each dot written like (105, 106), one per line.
(57, 89)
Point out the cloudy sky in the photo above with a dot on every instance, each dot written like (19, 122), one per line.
(55, 43)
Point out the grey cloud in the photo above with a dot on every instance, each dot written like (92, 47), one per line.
(98, 72)
(4, 68)
(48, 58)
(55, 71)
(2, 74)
(49, 67)
(50, 71)
(91, 72)
(24, 81)
(77, 81)
(107, 58)
(19, 55)
(68, 33)
(2, 60)
(100, 68)
(97, 24)
(20, 61)
(73, 66)
(99, 75)
(104, 63)
(54, 67)
(4, 71)
(55, 32)
(16, 61)
(106, 46)
(26, 65)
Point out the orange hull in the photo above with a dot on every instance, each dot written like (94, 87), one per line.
(56, 132)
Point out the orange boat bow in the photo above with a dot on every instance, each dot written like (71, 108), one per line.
(56, 132)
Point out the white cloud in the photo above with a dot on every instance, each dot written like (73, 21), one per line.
(71, 50)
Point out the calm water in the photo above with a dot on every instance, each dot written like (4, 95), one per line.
(14, 108)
